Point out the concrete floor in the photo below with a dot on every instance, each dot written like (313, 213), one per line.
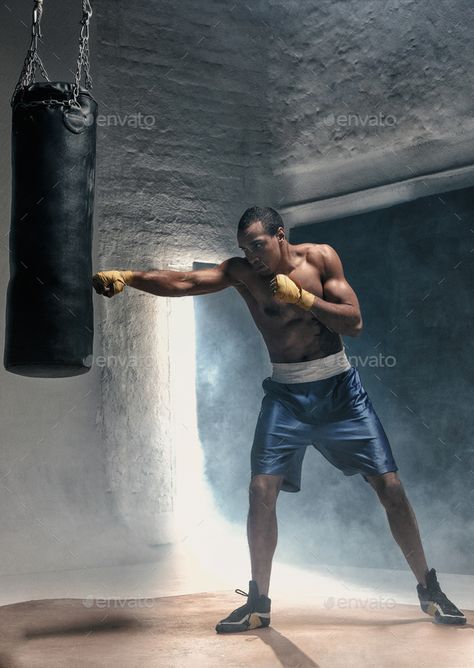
(163, 614)
(178, 631)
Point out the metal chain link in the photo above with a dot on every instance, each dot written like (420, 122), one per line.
(83, 59)
(33, 60)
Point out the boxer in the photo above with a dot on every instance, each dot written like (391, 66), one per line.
(302, 304)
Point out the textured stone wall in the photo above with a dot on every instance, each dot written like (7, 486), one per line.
(348, 78)
(177, 188)
(171, 186)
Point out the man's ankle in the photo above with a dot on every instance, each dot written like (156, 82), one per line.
(422, 581)
(262, 589)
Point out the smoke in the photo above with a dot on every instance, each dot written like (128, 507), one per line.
(393, 259)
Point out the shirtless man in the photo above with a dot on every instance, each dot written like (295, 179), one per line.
(301, 303)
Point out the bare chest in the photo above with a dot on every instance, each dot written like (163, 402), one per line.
(267, 311)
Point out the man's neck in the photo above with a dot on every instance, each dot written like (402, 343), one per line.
(286, 264)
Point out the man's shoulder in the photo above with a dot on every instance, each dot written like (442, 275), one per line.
(236, 263)
(326, 258)
(235, 267)
(316, 254)
(317, 248)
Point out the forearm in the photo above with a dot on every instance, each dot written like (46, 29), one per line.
(161, 282)
(343, 319)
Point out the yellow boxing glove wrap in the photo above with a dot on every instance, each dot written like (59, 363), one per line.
(287, 290)
(110, 283)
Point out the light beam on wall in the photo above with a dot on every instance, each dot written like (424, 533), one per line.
(215, 548)
(192, 501)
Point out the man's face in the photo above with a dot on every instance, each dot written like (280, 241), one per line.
(261, 250)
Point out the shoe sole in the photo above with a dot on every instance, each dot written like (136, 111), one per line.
(433, 610)
(254, 621)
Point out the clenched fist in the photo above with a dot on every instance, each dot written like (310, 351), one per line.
(110, 283)
(289, 291)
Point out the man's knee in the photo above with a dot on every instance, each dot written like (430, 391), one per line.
(264, 489)
(389, 489)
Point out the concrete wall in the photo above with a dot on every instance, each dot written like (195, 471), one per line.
(349, 78)
(169, 193)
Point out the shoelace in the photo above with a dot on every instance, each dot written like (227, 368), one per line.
(239, 591)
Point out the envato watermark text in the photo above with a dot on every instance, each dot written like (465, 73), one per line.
(360, 120)
(378, 361)
(120, 361)
(138, 120)
(120, 603)
(359, 603)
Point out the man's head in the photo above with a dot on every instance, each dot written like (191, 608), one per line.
(260, 234)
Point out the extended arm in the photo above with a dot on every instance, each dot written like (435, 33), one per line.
(167, 283)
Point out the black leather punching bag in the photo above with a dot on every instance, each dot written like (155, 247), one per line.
(49, 315)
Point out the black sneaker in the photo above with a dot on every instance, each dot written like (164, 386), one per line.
(437, 604)
(254, 614)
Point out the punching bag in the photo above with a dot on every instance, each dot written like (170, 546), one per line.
(49, 315)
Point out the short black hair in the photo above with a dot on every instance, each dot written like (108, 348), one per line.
(270, 219)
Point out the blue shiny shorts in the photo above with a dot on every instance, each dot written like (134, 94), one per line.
(335, 415)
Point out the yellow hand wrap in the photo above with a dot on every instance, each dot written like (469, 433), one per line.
(289, 291)
(110, 283)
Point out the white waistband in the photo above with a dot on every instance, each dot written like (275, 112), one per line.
(305, 372)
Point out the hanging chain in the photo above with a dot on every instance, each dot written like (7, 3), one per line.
(33, 59)
(83, 59)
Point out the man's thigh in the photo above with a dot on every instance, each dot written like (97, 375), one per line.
(279, 443)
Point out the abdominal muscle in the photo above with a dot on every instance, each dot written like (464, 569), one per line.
(300, 343)
(291, 334)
